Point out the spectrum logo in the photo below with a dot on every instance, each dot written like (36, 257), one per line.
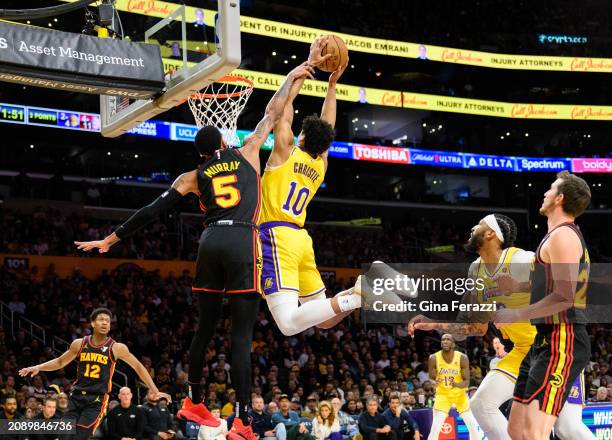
(592, 165)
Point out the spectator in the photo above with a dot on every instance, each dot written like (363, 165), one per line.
(158, 420)
(602, 394)
(348, 425)
(262, 422)
(48, 413)
(32, 404)
(351, 408)
(326, 425)
(500, 352)
(404, 426)
(9, 387)
(210, 433)
(9, 409)
(228, 408)
(272, 408)
(62, 403)
(407, 400)
(310, 412)
(295, 429)
(125, 421)
(372, 425)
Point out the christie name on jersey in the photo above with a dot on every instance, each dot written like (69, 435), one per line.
(309, 172)
(221, 167)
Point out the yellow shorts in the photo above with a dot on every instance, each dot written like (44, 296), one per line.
(288, 261)
(510, 364)
(444, 402)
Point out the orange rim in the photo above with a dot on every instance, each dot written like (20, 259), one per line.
(247, 85)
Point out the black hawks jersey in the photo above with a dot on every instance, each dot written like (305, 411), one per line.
(95, 367)
(542, 283)
(229, 187)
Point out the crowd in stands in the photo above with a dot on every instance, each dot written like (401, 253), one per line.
(357, 370)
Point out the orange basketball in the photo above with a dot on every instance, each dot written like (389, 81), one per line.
(339, 54)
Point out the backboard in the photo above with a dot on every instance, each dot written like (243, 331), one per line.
(221, 53)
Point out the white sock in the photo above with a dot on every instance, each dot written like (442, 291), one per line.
(349, 302)
(471, 424)
(436, 425)
(495, 389)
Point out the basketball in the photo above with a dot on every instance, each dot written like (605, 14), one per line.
(339, 54)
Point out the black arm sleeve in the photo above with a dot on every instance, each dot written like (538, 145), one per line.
(148, 213)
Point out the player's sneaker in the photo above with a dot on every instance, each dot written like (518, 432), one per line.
(363, 285)
(246, 432)
(197, 413)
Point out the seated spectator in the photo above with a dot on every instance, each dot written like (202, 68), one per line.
(325, 425)
(228, 408)
(158, 420)
(372, 425)
(351, 408)
(407, 400)
(9, 409)
(125, 420)
(310, 412)
(295, 429)
(210, 433)
(602, 394)
(9, 387)
(262, 422)
(62, 403)
(404, 426)
(348, 425)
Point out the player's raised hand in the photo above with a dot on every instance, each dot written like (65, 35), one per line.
(316, 48)
(102, 245)
(336, 74)
(32, 371)
(304, 70)
(506, 284)
(420, 322)
(159, 395)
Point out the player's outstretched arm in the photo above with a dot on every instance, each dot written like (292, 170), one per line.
(465, 372)
(120, 351)
(283, 134)
(328, 112)
(54, 364)
(184, 184)
(273, 113)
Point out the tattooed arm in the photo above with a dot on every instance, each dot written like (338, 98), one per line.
(273, 113)
(184, 184)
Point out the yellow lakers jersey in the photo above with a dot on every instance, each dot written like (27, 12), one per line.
(448, 373)
(514, 262)
(288, 188)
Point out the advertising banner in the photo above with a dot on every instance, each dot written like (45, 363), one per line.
(74, 62)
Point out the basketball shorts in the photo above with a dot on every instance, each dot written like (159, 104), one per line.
(557, 357)
(289, 261)
(510, 364)
(88, 410)
(445, 401)
(229, 260)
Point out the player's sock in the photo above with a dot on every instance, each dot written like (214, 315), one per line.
(471, 424)
(195, 391)
(349, 302)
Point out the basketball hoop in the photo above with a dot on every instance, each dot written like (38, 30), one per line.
(220, 103)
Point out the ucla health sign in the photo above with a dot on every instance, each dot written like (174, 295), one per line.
(436, 158)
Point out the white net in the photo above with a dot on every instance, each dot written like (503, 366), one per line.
(219, 105)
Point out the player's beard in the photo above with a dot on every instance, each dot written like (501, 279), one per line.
(474, 243)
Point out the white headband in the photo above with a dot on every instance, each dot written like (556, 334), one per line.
(491, 221)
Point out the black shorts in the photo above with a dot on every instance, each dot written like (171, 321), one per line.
(87, 409)
(558, 354)
(229, 260)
